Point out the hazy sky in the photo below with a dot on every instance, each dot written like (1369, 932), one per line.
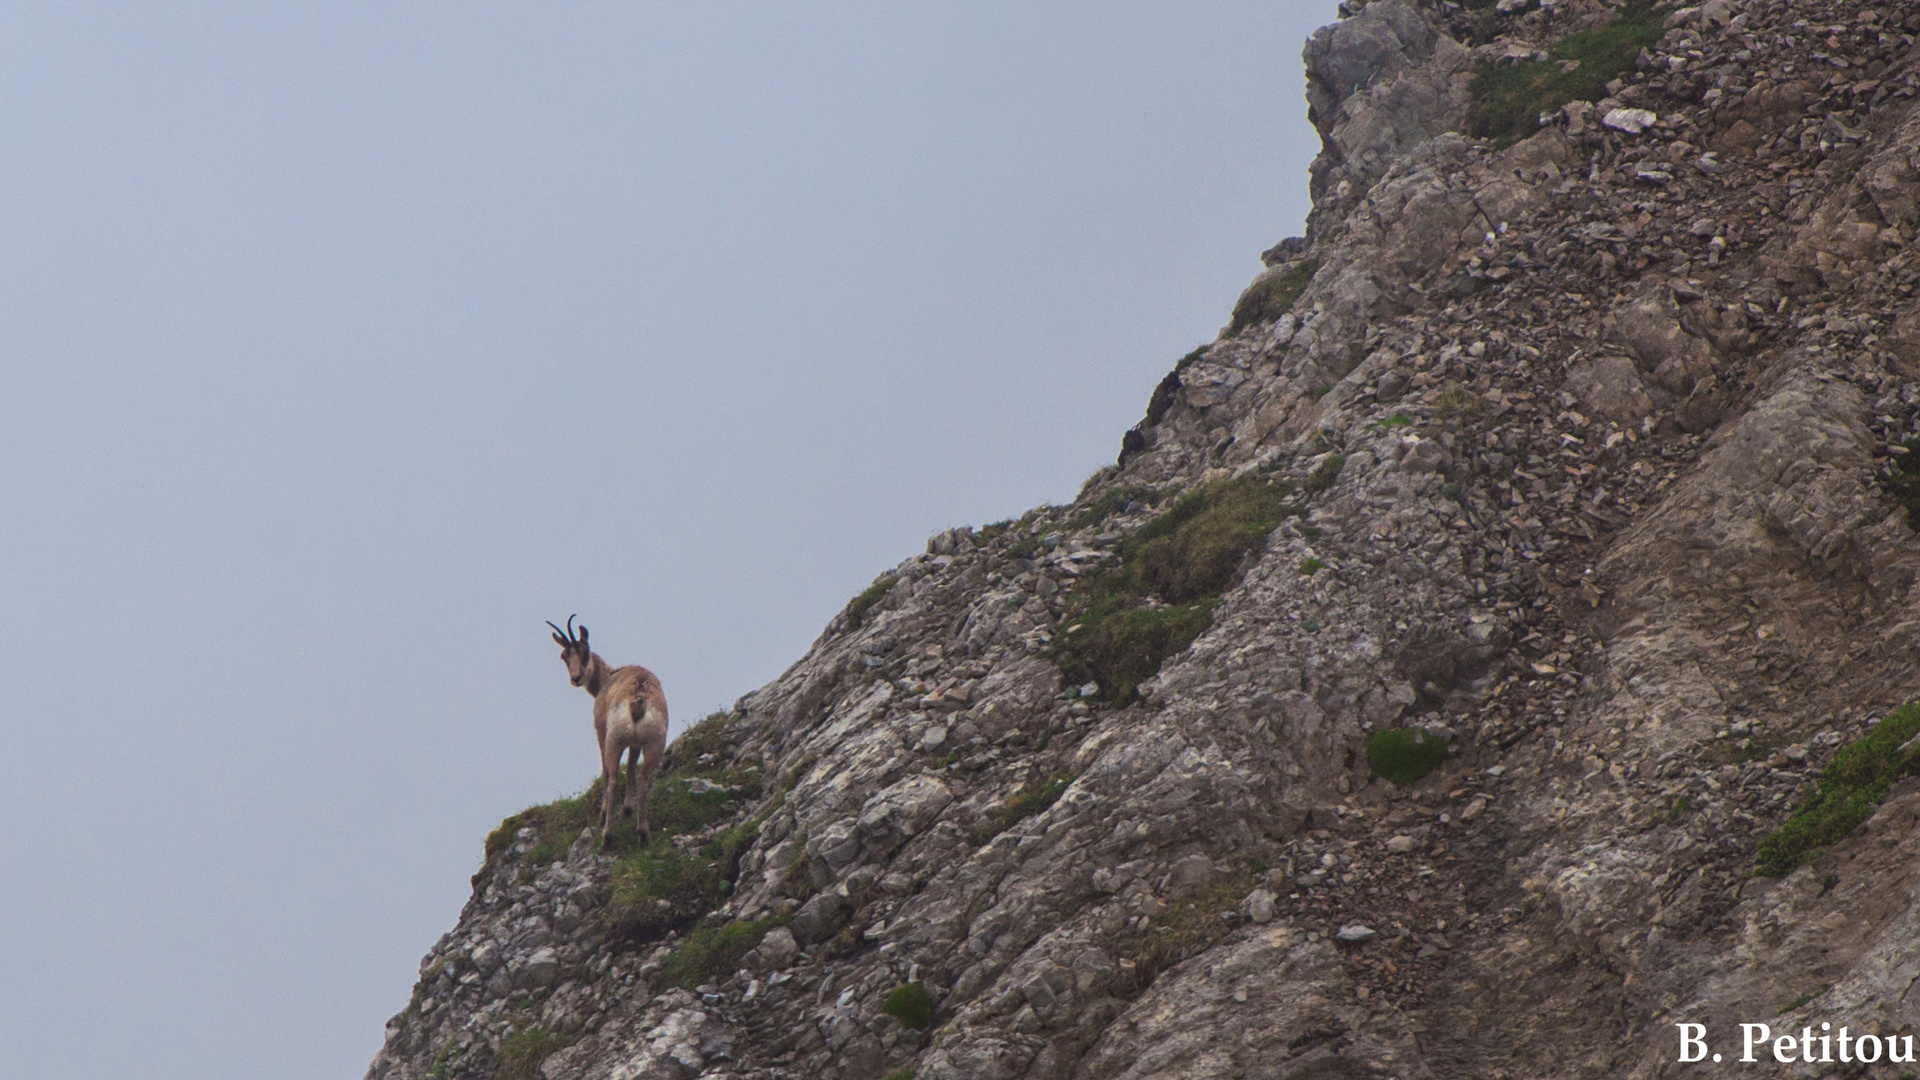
(342, 345)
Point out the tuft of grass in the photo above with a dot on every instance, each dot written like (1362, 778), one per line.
(857, 609)
(1850, 790)
(557, 823)
(711, 953)
(522, 1052)
(1901, 481)
(1111, 502)
(899, 1074)
(912, 1005)
(1161, 399)
(666, 886)
(1454, 399)
(1033, 799)
(1325, 473)
(1186, 928)
(1271, 295)
(1509, 98)
(1311, 566)
(1404, 755)
(1158, 596)
(713, 736)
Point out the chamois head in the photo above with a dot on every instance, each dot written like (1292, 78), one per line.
(573, 650)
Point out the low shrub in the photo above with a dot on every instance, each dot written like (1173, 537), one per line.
(1325, 473)
(665, 885)
(1509, 98)
(556, 823)
(711, 953)
(1271, 295)
(871, 595)
(1125, 619)
(912, 1005)
(522, 1052)
(1033, 799)
(1110, 502)
(1850, 790)
(1404, 755)
(1901, 481)
(1186, 928)
(1161, 399)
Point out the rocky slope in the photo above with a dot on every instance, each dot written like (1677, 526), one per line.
(1579, 448)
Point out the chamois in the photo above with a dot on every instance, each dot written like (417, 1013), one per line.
(629, 717)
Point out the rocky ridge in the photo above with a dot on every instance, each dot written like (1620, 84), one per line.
(1585, 444)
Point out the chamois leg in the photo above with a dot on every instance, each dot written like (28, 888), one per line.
(636, 802)
(649, 765)
(609, 782)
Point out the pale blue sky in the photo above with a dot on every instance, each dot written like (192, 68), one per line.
(342, 345)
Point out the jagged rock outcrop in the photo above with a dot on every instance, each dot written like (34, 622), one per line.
(1582, 454)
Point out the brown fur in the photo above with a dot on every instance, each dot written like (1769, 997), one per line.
(629, 719)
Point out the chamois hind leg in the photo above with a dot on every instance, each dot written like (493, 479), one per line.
(609, 782)
(636, 799)
(653, 746)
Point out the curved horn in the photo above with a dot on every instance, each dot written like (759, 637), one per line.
(570, 619)
(556, 629)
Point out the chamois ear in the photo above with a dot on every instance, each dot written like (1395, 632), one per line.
(583, 635)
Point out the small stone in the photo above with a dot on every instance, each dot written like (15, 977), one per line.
(1400, 845)
(1260, 903)
(1631, 121)
(777, 949)
(1356, 933)
(539, 969)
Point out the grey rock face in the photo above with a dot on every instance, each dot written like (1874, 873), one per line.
(1591, 478)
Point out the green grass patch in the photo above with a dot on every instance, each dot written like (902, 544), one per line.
(1404, 755)
(1111, 502)
(664, 886)
(1161, 399)
(912, 1005)
(557, 824)
(1325, 473)
(1187, 928)
(711, 953)
(899, 1074)
(522, 1052)
(1509, 98)
(702, 745)
(1125, 619)
(1901, 481)
(672, 806)
(1033, 799)
(1311, 566)
(1850, 790)
(869, 596)
(1271, 295)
